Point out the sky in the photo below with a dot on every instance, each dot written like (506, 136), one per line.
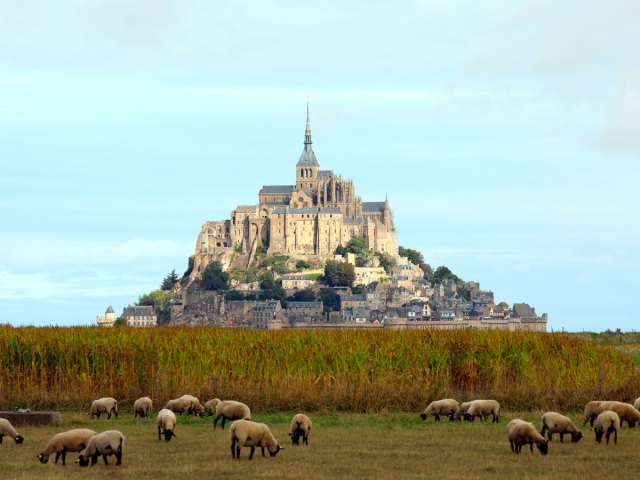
(505, 134)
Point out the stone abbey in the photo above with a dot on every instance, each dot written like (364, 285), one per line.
(309, 219)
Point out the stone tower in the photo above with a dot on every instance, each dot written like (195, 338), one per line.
(307, 167)
(109, 318)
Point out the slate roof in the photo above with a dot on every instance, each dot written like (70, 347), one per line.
(523, 310)
(325, 174)
(352, 221)
(372, 207)
(305, 305)
(110, 310)
(307, 157)
(268, 306)
(270, 189)
(145, 310)
(315, 210)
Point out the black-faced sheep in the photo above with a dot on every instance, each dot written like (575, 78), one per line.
(244, 433)
(231, 410)
(522, 433)
(142, 407)
(210, 406)
(7, 429)
(196, 407)
(179, 405)
(484, 408)
(553, 422)
(591, 411)
(166, 424)
(625, 411)
(300, 427)
(70, 441)
(106, 405)
(462, 412)
(606, 423)
(447, 407)
(106, 443)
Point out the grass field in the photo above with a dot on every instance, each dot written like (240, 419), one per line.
(390, 445)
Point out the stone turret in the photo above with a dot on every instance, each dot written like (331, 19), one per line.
(307, 167)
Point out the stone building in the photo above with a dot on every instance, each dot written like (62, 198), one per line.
(311, 218)
(109, 318)
(144, 316)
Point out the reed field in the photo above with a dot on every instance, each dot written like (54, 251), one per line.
(318, 371)
(341, 445)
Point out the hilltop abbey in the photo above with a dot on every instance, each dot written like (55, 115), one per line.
(311, 218)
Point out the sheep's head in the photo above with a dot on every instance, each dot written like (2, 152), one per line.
(19, 439)
(423, 416)
(598, 434)
(575, 437)
(168, 434)
(43, 458)
(82, 461)
(295, 437)
(278, 448)
(543, 447)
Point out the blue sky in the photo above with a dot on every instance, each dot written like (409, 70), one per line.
(506, 135)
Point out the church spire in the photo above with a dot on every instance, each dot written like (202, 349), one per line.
(307, 130)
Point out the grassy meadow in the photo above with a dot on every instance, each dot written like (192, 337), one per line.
(341, 445)
(321, 371)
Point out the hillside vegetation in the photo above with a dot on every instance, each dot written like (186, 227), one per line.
(336, 370)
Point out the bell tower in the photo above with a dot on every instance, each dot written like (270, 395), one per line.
(307, 167)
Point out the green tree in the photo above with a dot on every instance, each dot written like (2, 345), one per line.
(158, 299)
(386, 261)
(363, 259)
(301, 264)
(339, 274)
(443, 273)
(120, 322)
(306, 295)
(169, 281)
(356, 245)
(213, 278)
(234, 295)
(330, 299)
(340, 250)
(416, 258)
(267, 282)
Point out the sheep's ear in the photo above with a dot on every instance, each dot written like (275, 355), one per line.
(78, 460)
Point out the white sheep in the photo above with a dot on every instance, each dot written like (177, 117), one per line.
(166, 424)
(74, 440)
(142, 407)
(462, 411)
(210, 406)
(106, 405)
(625, 411)
(244, 433)
(484, 408)
(553, 422)
(300, 427)
(447, 407)
(196, 407)
(179, 405)
(591, 411)
(7, 429)
(522, 433)
(231, 410)
(607, 422)
(106, 443)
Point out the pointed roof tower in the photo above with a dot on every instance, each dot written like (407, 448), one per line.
(307, 158)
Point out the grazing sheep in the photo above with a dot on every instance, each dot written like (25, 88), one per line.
(231, 410)
(484, 408)
(106, 405)
(244, 433)
(142, 407)
(106, 443)
(522, 433)
(607, 422)
(447, 407)
(553, 422)
(625, 411)
(462, 412)
(210, 406)
(179, 405)
(7, 429)
(591, 411)
(196, 407)
(70, 441)
(300, 427)
(166, 424)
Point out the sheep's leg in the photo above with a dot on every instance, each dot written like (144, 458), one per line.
(531, 447)
(513, 450)
(57, 457)
(561, 437)
(119, 455)
(215, 421)
(436, 417)
(607, 436)
(615, 437)
(306, 439)
(115, 412)
(224, 419)
(253, 449)
(262, 448)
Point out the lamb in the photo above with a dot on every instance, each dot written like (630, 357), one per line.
(106, 443)
(300, 427)
(142, 407)
(166, 424)
(447, 407)
(106, 405)
(484, 408)
(210, 406)
(553, 422)
(625, 411)
(231, 410)
(521, 433)
(591, 411)
(462, 411)
(196, 407)
(179, 405)
(607, 422)
(7, 429)
(70, 441)
(244, 433)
